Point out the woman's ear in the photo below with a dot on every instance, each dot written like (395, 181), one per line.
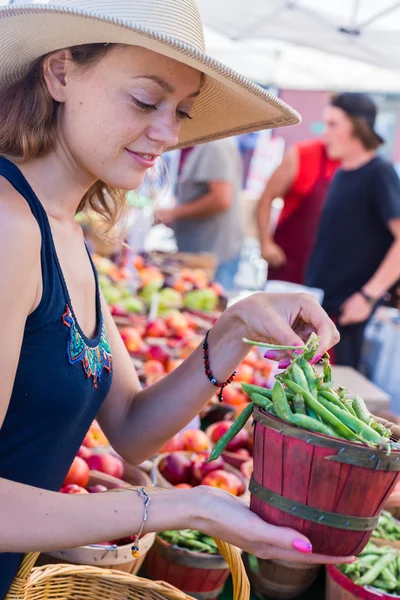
(56, 69)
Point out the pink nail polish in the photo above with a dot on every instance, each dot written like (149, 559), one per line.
(353, 560)
(302, 546)
(316, 359)
(271, 355)
(283, 364)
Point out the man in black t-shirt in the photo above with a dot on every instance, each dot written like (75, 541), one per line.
(356, 257)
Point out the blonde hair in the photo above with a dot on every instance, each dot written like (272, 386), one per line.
(28, 117)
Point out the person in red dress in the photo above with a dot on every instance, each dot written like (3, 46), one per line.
(301, 180)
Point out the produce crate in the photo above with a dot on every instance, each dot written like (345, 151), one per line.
(330, 490)
(200, 575)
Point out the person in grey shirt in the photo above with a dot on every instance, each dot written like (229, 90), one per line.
(207, 216)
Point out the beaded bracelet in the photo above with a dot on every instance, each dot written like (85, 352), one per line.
(135, 546)
(209, 374)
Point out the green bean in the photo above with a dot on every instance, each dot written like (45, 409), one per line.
(348, 404)
(299, 404)
(272, 346)
(280, 402)
(327, 369)
(249, 389)
(311, 413)
(375, 570)
(261, 400)
(331, 397)
(232, 431)
(310, 376)
(361, 410)
(365, 431)
(312, 425)
(299, 377)
(319, 409)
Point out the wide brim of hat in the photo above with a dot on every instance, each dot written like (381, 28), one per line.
(229, 104)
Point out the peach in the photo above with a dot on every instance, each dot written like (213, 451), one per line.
(246, 468)
(107, 463)
(233, 395)
(244, 373)
(173, 364)
(73, 488)
(195, 440)
(158, 352)
(131, 338)
(184, 486)
(241, 440)
(157, 329)
(224, 481)
(175, 444)
(201, 467)
(151, 367)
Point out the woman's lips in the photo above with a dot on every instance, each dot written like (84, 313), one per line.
(145, 160)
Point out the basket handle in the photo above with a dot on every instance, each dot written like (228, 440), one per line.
(240, 581)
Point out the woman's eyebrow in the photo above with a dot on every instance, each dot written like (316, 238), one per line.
(164, 84)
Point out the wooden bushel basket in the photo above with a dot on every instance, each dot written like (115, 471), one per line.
(330, 490)
(200, 575)
(279, 579)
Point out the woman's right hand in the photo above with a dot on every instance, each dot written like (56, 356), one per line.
(228, 518)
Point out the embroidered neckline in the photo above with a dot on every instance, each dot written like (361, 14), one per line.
(94, 360)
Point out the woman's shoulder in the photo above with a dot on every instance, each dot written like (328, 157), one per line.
(16, 213)
(20, 237)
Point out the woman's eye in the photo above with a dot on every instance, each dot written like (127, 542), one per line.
(183, 115)
(143, 106)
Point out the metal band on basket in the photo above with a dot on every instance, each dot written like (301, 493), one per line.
(315, 515)
(348, 453)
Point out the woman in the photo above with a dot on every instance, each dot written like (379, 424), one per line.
(77, 124)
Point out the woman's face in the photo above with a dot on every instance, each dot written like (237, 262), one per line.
(117, 116)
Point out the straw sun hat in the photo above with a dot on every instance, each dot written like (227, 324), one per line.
(229, 104)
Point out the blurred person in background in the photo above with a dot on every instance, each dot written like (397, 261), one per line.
(207, 217)
(356, 257)
(302, 181)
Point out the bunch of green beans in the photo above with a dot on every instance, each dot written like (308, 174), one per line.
(378, 567)
(388, 528)
(307, 400)
(190, 539)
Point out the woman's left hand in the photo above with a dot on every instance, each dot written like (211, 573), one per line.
(286, 320)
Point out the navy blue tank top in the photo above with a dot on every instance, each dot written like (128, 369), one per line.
(61, 381)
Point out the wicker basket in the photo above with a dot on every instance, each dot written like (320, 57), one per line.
(75, 582)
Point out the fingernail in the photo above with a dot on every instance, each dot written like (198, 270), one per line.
(298, 352)
(271, 355)
(316, 359)
(353, 560)
(302, 546)
(284, 364)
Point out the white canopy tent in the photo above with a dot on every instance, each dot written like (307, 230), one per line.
(305, 44)
(308, 44)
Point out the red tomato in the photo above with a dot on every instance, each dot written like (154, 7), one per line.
(78, 473)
